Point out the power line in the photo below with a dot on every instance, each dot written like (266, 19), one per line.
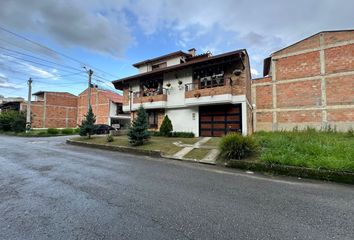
(47, 48)
(41, 59)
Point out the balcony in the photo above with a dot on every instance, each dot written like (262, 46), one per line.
(149, 99)
(209, 92)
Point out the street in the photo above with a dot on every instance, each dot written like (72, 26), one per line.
(51, 190)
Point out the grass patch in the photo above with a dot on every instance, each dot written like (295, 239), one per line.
(163, 144)
(41, 133)
(311, 149)
(197, 153)
(214, 142)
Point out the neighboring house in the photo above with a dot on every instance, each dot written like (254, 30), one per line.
(204, 94)
(107, 107)
(53, 110)
(10, 103)
(310, 83)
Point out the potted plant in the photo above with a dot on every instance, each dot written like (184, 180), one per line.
(168, 85)
(197, 95)
(180, 82)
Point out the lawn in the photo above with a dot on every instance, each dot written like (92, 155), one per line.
(312, 149)
(197, 153)
(163, 144)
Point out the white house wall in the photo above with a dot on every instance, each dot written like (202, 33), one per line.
(184, 119)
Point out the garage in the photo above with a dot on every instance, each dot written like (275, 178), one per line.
(218, 120)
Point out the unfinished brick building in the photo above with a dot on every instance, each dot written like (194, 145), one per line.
(53, 110)
(310, 83)
(106, 105)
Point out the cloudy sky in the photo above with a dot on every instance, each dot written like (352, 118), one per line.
(110, 35)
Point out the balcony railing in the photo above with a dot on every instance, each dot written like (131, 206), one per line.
(206, 84)
(150, 92)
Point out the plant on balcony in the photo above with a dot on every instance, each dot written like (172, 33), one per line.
(138, 132)
(180, 82)
(151, 99)
(197, 95)
(166, 127)
(168, 85)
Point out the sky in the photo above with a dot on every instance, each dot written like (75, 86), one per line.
(52, 41)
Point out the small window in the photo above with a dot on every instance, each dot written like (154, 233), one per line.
(160, 65)
(152, 119)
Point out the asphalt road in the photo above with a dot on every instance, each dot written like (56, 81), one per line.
(50, 190)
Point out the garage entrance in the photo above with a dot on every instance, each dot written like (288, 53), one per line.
(218, 120)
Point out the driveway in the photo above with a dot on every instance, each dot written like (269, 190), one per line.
(50, 190)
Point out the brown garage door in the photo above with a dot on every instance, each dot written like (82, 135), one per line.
(218, 120)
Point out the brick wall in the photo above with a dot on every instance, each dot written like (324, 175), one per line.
(311, 84)
(99, 103)
(56, 110)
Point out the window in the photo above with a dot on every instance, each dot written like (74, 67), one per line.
(159, 65)
(152, 119)
(119, 109)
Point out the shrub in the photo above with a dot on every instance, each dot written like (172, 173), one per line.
(110, 138)
(52, 131)
(19, 122)
(182, 134)
(138, 132)
(67, 131)
(88, 127)
(166, 127)
(41, 133)
(350, 132)
(155, 133)
(236, 146)
(12, 121)
(77, 130)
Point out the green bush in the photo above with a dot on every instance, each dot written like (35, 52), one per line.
(110, 138)
(138, 132)
(236, 146)
(52, 131)
(182, 134)
(166, 127)
(155, 133)
(42, 133)
(67, 131)
(350, 132)
(12, 121)
(77, 130)
(88, 127)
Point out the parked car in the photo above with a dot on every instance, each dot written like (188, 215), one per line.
(103, 128)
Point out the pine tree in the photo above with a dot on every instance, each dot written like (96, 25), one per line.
(88, 127)
(166, 127)
(138, 132)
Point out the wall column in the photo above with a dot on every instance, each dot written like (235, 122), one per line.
(274, 96)
(323, 82)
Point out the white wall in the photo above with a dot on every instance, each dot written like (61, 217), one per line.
(175, 97)
(183, 121)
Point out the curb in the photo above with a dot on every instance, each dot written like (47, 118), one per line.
(319, 174)
(150, 153)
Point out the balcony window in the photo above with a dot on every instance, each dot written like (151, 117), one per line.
(209, 77)
(151, 87)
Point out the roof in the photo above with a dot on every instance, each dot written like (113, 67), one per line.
(42, 92)
(114, 97)
(180, 66)
(177, 53)
(328, 31)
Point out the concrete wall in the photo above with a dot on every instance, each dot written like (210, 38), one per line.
(311, 84)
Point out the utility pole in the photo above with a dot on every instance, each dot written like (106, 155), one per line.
(28, 117)
(90, 72)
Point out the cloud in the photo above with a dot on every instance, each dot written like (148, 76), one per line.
(254, 72)
(5, 83)
(97, 26)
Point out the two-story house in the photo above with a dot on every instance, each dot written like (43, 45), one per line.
(204, 94)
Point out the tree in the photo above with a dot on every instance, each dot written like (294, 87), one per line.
(166, 127)
(138, 132)
(19, 122)
(88, 127)
(13, 121)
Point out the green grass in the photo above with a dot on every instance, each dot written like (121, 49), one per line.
(197, 153)
(312, 149)
(41, 133)
(213, 142)
(163, 144)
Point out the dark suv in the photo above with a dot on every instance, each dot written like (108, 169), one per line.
(103, 129)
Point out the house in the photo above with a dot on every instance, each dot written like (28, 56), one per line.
(10, 103)
(204, 94)
(53, 110)
(107, 107)
(309, 83)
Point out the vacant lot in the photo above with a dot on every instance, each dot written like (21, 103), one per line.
(312, 149)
